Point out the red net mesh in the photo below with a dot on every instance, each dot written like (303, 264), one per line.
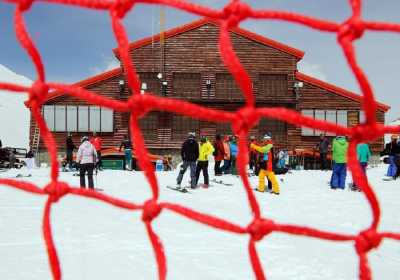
(242, 121)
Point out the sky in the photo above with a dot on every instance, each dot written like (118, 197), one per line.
(77, 43)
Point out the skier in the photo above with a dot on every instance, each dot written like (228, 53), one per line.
(266, 164)
(86, 158)
(363, 155)
(234, 152)
(127, 145)
(97, 143)
(30, 162)
(323, 147)
(70, 149)
(391, 149)
(219, 153)
(190, 154)
(205, 150)
(227, 155)
(339, 154)
(252, 154)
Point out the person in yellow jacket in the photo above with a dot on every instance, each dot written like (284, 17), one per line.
(266, 164)
(205, 150)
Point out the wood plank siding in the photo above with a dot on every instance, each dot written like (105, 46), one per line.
(192, 70)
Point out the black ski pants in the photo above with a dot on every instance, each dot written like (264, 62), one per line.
(202, 166)
(86, 167)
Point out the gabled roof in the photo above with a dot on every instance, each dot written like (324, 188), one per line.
(336, 90)
(195, 24)
(87, 82)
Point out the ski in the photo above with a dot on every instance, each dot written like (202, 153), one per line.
(22, 176)
(221, 182)
(182, 190)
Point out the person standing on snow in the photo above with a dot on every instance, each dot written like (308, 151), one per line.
(189, 154)
(363, 156)
(127, 145)
(86, 158)
(323, 147)
(252, 154)
(234, 152)
(266, 164)
(339, 154)
(205, 150)
(70, 150)
(97, 143)
(227, 155)
(391, 149)
(219, 153)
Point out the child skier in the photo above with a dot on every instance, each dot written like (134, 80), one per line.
(363, 155)
(266, 164)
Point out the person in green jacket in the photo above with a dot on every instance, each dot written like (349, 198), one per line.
(363, 156)
(339, 154)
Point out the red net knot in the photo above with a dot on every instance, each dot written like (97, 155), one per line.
(260, 227)
(367, 240)
(56, 190)
(122, 7)
(364, 133)
(37, 94)
(150, 210)
(235, 12)
(138, 105)
(246, 118)
(351, 29)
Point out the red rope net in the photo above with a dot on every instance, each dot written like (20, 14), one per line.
(242, 121)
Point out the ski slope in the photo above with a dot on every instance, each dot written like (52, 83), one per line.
(98, 241)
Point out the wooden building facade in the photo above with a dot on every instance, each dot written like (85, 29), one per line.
(191, 69)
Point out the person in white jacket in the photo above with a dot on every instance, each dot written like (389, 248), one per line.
(86, 158)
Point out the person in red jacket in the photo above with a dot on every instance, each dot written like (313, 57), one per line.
(97, 143)
(219, 153)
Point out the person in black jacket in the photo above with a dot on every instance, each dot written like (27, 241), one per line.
(393, 150)
(190, 154)
(70, 150)
(127, 145)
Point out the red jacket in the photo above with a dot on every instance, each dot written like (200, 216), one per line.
(219, 148)
(96, 142)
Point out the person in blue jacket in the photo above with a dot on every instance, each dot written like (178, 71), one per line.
(234, 152)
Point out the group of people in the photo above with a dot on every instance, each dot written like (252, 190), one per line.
(392, 150)
(225, 149)
(339, 148)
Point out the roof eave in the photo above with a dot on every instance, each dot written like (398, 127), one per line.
(337, 90)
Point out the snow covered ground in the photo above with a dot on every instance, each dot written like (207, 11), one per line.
(98, 241)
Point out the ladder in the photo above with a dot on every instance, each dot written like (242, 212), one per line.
(35, 142)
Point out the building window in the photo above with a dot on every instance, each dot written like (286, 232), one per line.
(226, 87)
(338, 117)
(276, 128)
(187, 85)
(78, 118)
(361, 118)
(94, 120)
(107, 120)
(153, 84)
(83, 118)
(149, 125)
(72, 118)
(48, 115)
(272, 85)
(182, 125)
(60, 118)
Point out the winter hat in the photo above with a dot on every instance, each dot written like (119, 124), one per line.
(84, 138)
(267, 136)
(192, 135)
(203, 139)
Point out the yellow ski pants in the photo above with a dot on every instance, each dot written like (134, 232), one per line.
(271, 176)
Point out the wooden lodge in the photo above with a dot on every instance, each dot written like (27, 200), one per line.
(191, 69)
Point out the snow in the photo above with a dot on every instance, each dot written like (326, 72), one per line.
(98, 241)
(13, 111)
